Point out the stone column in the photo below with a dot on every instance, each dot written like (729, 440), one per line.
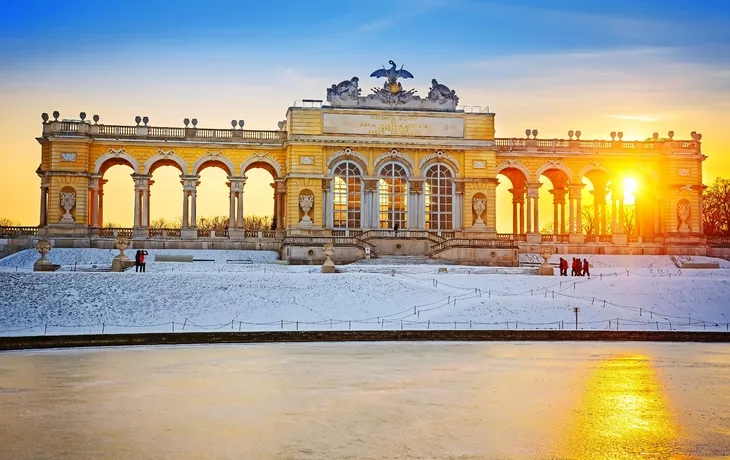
(101, 201)
(515, 224)
(533, 227)
(185, 209)
(94, 200)
(239, 212)
(281, 209)
(231, 206)
(562, 217)
(147, 207)
(522, 213)
(458, 209)
(558, 204)
(326, 185)
(44, 207)
(189, 224)
(617, 225)
(576, 234)
(419, 204)
(141, 204)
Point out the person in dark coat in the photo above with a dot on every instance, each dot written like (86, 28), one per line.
(395, 228)
(142, 262)
(137, 264)
(586, 268)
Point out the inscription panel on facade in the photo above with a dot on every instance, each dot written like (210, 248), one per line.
(392, 125)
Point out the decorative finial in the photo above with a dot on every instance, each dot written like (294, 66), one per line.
(699, 137)
(240, 124)
(44, 117)
(137, 119)
(194, 121)
(145, 120)
(233, 123)
(613, 135)
(527, 133)
(82, 115)
(96, 118)
(186, 122)
(534, 133)
(280, 124)
(56, 115)
(577, 135)
(656, 136)
(570, 134)
(620, 135)
(671, 135)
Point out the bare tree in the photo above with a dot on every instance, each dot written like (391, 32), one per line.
(548, 229)
(588, 220)
(250, 223)
(6, 222)
(716, 208)
(166, 224)
(630, 219)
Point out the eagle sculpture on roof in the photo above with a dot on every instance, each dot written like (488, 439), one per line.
(392, 75)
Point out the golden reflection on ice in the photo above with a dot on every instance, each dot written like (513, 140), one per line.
(623, 414)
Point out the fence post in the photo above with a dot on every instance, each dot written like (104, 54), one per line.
(469, 324)
(282, 324)
(239, 326)
(429, 324)
(173, 326)
(45, 329)
(350, 325)
(186, 322)
(103, 326)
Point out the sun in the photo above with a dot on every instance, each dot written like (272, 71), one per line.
(630, 188)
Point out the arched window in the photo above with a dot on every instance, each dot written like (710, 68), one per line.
(439, 194)
(393, 188)
(347, 196)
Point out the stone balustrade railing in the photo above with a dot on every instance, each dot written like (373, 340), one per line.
(718, 241)
(567, 145)
(83, 128)
(18, 231)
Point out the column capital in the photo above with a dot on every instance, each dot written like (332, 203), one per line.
(326, 185)
(371, 185)
(141, 181)
(559, 195)
(459, 187)
(415, 185)
(189, 182)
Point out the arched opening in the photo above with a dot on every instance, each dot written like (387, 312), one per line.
(165, 196)
(116, 194)
(393, 196)
(439, 197)
(510, 198)
(212, 197)
(595, 220)
(552, 198)
(347, 196)
(260, 211)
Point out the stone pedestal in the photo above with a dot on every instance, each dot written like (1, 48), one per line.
(533, 238)
(235, 233)
(576, 238)
(121, 262)
(44, 265)
(546, 269)
(328, 266)
(140, 233)
(619, 239)
(189, 233)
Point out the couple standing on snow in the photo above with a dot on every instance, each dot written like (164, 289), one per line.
(139, 261)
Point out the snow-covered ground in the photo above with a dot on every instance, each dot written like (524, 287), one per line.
(625, 292)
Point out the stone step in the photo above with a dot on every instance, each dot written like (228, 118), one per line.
(403, 260)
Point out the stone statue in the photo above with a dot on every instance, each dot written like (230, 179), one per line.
(306, 202)
(44, 265)
(479, 205)
(683, 214)
(441, 93)
(328, 266)
(121, 262)
(345, 90)
(68, 201)
(391, 94)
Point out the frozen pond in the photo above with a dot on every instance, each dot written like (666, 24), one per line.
(368, 401)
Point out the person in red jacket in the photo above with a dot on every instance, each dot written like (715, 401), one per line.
(142, 262)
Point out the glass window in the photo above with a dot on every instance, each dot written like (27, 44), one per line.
(347, 195)
(393, 195)
(439, 194)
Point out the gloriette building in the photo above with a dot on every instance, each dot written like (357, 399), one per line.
(357, 167)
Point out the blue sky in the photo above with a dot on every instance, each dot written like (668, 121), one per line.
(635, 66)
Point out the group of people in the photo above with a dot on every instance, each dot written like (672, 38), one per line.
(140, 265)
(578, 268)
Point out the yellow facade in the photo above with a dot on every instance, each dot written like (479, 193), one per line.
(313, 141)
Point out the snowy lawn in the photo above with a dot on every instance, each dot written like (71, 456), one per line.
(652, 294)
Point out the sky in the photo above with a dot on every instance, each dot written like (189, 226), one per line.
(639, 66)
